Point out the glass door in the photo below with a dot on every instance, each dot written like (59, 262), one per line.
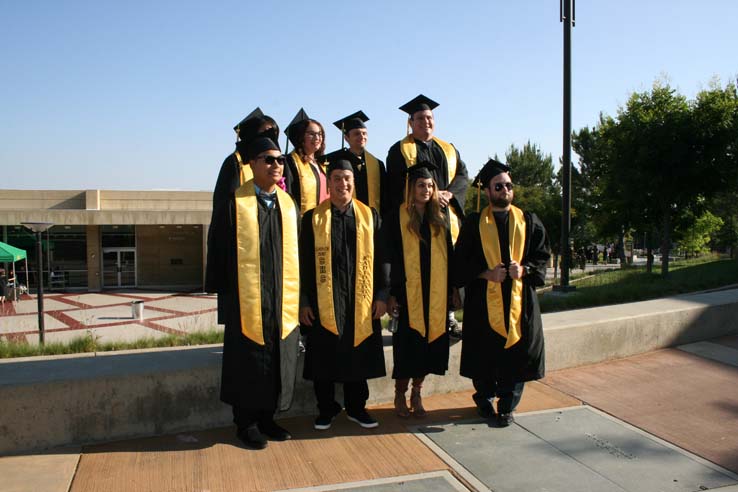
(119, 267)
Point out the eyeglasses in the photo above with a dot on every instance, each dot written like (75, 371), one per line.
(314, 134)
(270, 159)
(499, 186)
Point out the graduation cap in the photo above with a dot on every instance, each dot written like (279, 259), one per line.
(340, 159)
(259, 145)
(490, 169)
(351, 122)
(257, 113)
(291, 130)
(419, 103)
(423, 169)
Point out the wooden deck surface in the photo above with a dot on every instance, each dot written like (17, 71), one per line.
(212, 460)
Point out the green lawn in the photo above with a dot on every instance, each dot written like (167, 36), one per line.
(634, 284)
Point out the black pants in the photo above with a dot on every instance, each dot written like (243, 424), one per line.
(355, 395)
(509, 394)
(245, 417)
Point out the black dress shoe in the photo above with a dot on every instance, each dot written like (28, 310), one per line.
(274, 432)
(505, 419)
(252, 438)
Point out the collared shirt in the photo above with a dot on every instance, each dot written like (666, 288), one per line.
(269, 199)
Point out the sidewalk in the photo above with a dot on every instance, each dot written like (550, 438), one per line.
(665, 420)
(108, 316)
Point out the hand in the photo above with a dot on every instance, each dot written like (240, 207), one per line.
(306, 316)
(455, 299)
(392, 305)
(497, 274)
(378, 309)
(515, 270)
(444, 197)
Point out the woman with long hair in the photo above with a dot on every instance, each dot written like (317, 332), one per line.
(420, 289)
(305, 175)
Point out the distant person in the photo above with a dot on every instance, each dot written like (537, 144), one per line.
(344, 289)
(257, 267)
(421, 293)
(305, 175)
(369, 173)
(500, 259)
(3, 285)
(421, 145)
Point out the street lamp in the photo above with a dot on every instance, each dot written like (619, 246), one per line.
(39, 228)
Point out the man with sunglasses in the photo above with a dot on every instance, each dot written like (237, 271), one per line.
(258, 267)
(500, 259)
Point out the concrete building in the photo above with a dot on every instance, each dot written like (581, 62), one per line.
(111, 239)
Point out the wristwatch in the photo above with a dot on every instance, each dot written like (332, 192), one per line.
(528, 269)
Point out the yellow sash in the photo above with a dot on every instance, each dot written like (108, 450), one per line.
(244, 170)
(308, 183)
(437, 315)
(249, 266)
(409, 151)
(491, 246)
(364, 286)
(372, 181)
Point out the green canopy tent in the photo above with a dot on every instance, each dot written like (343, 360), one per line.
(11, 254)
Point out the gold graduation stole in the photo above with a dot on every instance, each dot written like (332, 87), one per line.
(249, 266)
(437, 314)
(410, 153)
(308, 183)
(364, 286)
(244, 170)
(491, 246)
(372, 181)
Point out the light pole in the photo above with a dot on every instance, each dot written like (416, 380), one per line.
(39, 228)
(567, 16)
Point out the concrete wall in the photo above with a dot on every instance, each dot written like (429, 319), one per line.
(94, 282)
(46, 402)
(169, 255)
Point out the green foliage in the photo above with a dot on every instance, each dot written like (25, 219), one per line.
(696, 238)
(88, 343)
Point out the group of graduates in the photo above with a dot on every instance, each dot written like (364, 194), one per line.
(331, 242)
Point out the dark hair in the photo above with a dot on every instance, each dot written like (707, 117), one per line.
(301, 129)
(436, 219)
(251, 129)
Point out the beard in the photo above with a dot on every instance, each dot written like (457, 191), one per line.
(501, 202)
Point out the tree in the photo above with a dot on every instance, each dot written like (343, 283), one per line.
(695, 239)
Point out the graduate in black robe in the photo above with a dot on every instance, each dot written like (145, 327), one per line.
(421, 349)
(369, 172)
(232, 174)
(336, 357)
(499, 365)
(257, 379)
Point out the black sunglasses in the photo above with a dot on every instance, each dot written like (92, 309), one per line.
(270, 159)
(499, 186)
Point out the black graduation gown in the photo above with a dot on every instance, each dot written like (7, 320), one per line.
(413, 356)
(254, 376)
(292, 180)
(229, 179)
(332, 357)
(396, 168)
(482, 352)
(361, 182)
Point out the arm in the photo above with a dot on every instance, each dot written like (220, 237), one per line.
(469, 261)
(395, 178)
(307, 272)
(459, 185)
(381, 269)
(538, 251)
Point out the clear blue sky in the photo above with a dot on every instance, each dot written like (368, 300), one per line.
(143, 94)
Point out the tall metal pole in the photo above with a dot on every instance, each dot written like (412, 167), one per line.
(567, 17)
(40, 293)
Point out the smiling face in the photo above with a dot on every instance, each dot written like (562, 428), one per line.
(423, 190)
(356, 139)
(422, 125)
(341, 187)
(312, 138)
(500, 191)
(267, 174)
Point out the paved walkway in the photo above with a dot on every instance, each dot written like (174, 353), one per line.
(665, 420)
(108, 316)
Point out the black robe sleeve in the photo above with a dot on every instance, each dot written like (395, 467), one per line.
(381, 261)
(469, 259)
(459, 185)
(538, 251)
(229, 179)
(395, 178)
